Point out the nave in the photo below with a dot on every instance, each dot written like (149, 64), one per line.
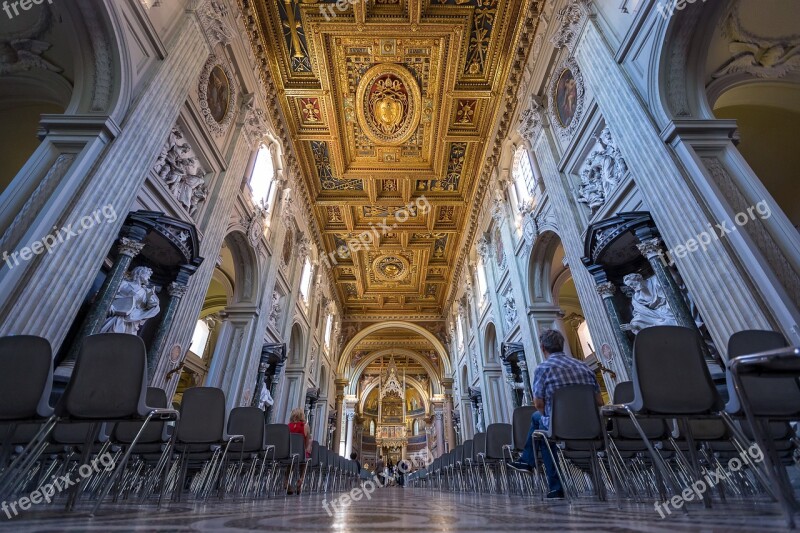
(395, 509)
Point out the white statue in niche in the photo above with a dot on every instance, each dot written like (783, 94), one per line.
(134, 303)
(650, 307)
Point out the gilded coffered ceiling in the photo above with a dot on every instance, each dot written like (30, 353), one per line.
(390, 105)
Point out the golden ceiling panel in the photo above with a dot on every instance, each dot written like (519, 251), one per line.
(390, 105)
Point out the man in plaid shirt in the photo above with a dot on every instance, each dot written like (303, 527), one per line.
(558, 370)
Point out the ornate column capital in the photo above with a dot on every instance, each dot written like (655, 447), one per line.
(177, 290)
(129, 247)
(650, 248)
(606, 290)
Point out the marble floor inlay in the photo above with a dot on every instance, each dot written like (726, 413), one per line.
(397, 509)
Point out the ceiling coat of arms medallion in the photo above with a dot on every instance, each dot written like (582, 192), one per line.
(388, 104)
(390, 268)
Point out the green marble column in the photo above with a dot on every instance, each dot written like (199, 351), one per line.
(177, 290)
(606, 291)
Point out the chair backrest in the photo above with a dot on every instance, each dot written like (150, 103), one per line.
(575, 414)
(497, 436)
(278, 435)
(125, 432)
(247, 421)
(767, 395)
(314, 453)
(468, 449)
(202, 416)
(521, 422)
(297, 445)
(668, 360)
(77, 433)
(26, 376)
(331, 459)
(459, 454)
(109, 381)
(623, 428)
(479, 445)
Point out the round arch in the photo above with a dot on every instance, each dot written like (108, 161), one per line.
(539, 266)
(362, 365)
(491, 351)
(245, 264)
(296, 348)
(344, 362)
(410, 381)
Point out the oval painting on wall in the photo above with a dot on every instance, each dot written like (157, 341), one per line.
(219, 93)
(566, 97)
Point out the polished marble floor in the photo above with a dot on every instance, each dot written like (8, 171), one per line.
(397, 509)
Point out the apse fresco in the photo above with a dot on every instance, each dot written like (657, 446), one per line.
(414, 401)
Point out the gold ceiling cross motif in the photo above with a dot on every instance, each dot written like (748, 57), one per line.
(396, 113)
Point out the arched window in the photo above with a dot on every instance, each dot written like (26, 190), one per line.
(328, 331)
(482, 285)
(522, 172)
(416, 427)
(372, 428)
(200, 338)
(262, 179)
(305, 281)
(459, 332)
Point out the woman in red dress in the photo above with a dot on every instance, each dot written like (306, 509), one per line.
(297, 424)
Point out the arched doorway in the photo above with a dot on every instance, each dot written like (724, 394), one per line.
(221, 327)
(556, 302)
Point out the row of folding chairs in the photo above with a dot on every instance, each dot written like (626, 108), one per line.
(667, 429)
(108, 417)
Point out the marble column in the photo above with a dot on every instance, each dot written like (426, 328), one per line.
(438, 415)
(273, 391)
(348, 448)
(128, 247)
(527, 393)
(651, 250)
(606, 291)
(511, 380)
(177, 290)
(338, 438)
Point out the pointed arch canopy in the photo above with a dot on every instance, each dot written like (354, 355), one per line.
(426, 364)
(410, 381)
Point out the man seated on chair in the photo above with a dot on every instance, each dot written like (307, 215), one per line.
(558, 370)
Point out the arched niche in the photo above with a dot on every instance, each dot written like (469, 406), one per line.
(541, 266)
(491, 350)
(62, 58)
(296, 348)
(238, 250)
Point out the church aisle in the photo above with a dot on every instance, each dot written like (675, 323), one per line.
(395, 509)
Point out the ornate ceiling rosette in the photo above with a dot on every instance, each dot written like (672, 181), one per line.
(388, 104)
(390, 267)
